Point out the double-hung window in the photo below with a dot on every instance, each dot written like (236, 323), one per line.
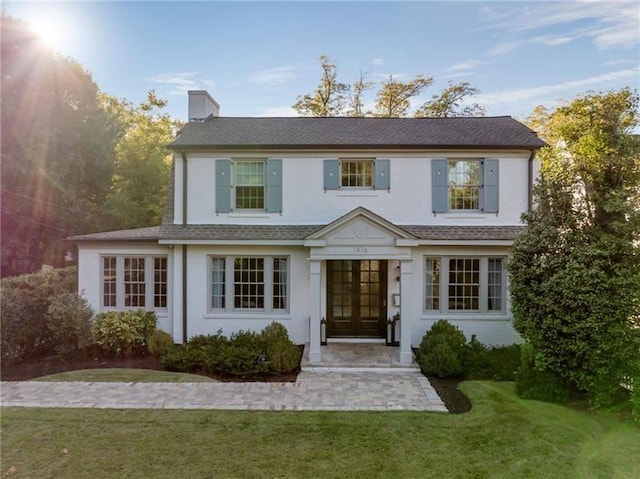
(465, 185)
(248, 185)
(249, 283)
(356, 174)
(464, 284)
(134, 282)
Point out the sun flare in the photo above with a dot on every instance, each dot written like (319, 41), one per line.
(51, 32)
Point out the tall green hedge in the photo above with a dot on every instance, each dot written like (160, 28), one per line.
(25, 301)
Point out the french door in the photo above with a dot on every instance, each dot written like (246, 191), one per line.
(356, 298)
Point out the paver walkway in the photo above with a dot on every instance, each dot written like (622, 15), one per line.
(329, 391)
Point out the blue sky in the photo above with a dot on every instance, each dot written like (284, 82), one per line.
(255, 58)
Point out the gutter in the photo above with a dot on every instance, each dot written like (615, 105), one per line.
(185, 170)
(530, 181)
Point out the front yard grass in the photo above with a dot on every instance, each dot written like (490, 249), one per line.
(503, 437)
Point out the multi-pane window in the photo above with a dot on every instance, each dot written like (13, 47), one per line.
(249, 185)
(239, 283)
(495, 284)
(464, 184)
(248, 283)
(218, 283)
(109, 281)
(464, 284)
(160, 282)
(356, 174)
(134, 282)
(432, 284)
(280, 280)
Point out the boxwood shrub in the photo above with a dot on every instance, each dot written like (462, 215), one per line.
(120, 332)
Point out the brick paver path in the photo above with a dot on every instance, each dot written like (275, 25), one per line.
(328, 391)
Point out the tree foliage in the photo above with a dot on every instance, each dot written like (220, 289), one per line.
(575, 273)
(451, 102)
(142, 164)
(57, 149)
(393, 99)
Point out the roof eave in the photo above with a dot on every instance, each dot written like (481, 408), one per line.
(386, 146)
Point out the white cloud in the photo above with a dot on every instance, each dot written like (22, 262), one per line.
(377, 61)
(463, 66)
(180, 83)
(534, 94)
(555, 41)
(612, 24)
(503, 48)
(279, 111)
(273, 76)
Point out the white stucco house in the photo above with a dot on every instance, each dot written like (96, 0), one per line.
(331, 226)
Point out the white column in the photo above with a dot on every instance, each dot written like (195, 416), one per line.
(314, 321)
(406, 297)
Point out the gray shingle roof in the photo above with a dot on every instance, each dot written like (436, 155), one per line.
(151, 233)
(290, 233)
(350, 133)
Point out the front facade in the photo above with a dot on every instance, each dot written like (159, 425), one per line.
(332, 226)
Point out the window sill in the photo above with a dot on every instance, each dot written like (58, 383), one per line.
(248, 214)
(356, 193)
(258, 315)
(470, 316)
(465, 215)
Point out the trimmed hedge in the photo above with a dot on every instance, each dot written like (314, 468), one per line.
(245, 354)
(24, 303)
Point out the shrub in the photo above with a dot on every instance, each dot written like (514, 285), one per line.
(533, 382)
(441, 350)
(69, 321)
(282, 354)
(244, 356)
(496, 363)
(634, 399)
(24, 303)
(159, 343)
(121, 331)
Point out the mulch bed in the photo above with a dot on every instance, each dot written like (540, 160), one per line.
(95, 357)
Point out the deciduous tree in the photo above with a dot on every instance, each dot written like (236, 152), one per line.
(329, 96)
(451, 102)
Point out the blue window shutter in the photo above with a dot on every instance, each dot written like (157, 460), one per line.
(223, 186)
(439, 185)
(331, 174)
(382, 180)
(274, 186)
(491, 190)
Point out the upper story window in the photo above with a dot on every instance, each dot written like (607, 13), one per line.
(464, 184)
(356, 174)
(468, 184)
(249, 185)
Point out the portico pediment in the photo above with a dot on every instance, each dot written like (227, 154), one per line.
(359, 228)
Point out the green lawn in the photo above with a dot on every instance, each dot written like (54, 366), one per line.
(127, 375)
(503, 436)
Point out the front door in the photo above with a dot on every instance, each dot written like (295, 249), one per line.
(356, 298)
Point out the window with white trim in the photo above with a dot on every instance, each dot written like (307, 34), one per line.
(464, 285)
(464, 184)
(249, 283)
(356, 173)
(134, 282)
(249, 184)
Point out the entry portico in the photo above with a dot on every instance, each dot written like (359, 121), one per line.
(357, 263)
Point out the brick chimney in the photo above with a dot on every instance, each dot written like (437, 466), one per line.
(202, 105)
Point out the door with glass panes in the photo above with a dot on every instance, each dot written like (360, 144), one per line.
(356, 298)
